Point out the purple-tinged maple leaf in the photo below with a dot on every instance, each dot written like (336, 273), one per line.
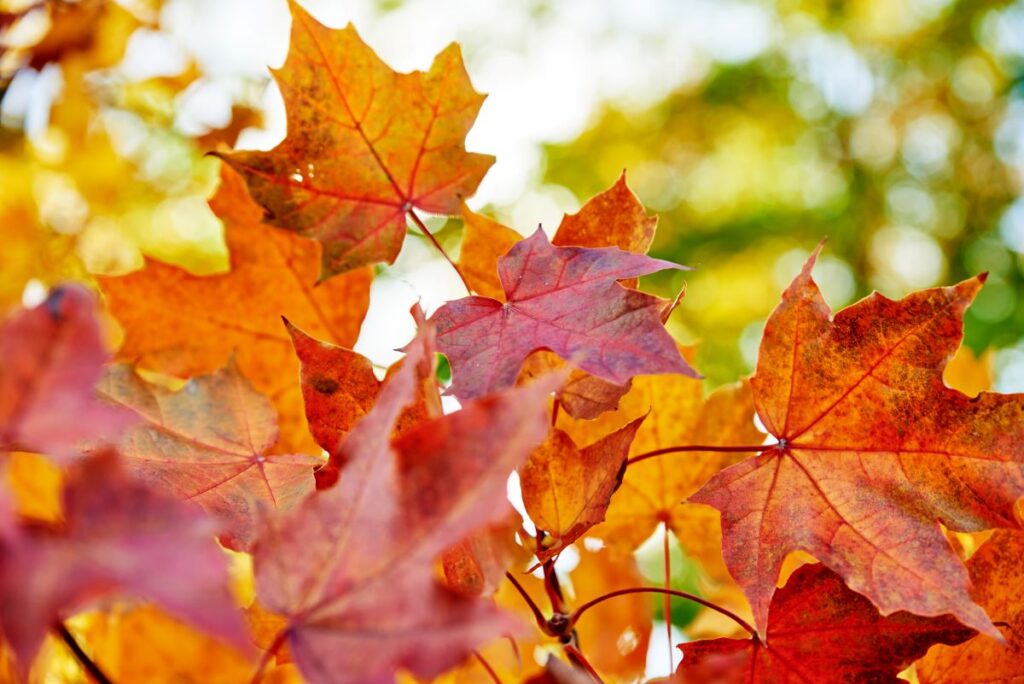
(565, 299)
(50, 359)
(121, 538)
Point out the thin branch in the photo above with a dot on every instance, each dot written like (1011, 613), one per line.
(542, 621)
(487, 666)
(552, 587)
(87, 663)
(554, 412)
(699, 447)
(430, 236)
(577, 658)
(666, 603)
(269, 654)
(515, 649)
(658, 590)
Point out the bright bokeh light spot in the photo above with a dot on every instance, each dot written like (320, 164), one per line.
(927, 144)
(838, 72)
(874, 141)
(1010, 370)
(904, 259)
(750, 342)
(34, 294)
(1011, 226)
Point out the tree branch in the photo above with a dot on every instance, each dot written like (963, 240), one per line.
(658, 590)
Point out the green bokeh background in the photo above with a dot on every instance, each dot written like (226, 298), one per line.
(755, 164)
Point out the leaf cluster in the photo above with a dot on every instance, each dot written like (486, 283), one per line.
(234, 432)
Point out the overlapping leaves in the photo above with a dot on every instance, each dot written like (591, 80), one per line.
(874, 454)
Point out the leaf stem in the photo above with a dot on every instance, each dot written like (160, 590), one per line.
(487, 666)
(430, 236)
(659, 590)
(576, 658)
(666, 600)
(699, 447)
(269, 654)
(87, 663)
(538, 616)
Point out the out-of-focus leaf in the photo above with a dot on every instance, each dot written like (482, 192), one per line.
(185, 325)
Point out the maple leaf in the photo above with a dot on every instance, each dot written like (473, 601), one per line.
(484, 242)
(184, 325)
(209, 443)
(997, 580)
(50, 359)
(677, 413)
(874, 452)
(613, 218)
(365, 145)
(564, 299)
(352, 568)
(567, 490)
(121, 537)
(477, 564)
(338, 389)
(819, 628)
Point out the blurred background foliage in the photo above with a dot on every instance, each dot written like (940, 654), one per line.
(895, 128)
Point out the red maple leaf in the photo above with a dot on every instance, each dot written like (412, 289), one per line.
(818, 630)
(874, 452)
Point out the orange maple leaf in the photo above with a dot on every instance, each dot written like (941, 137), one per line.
(365, 145)
(184, 325)
(567, 489)
(208, 443)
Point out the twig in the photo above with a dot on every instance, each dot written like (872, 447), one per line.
(487, 666)
(577, 658)
(658, 590)
(430, 236)
(552, 587)
(666, 602)
(87, 663)
(269, 654)
(698, 447)
(538, 616)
